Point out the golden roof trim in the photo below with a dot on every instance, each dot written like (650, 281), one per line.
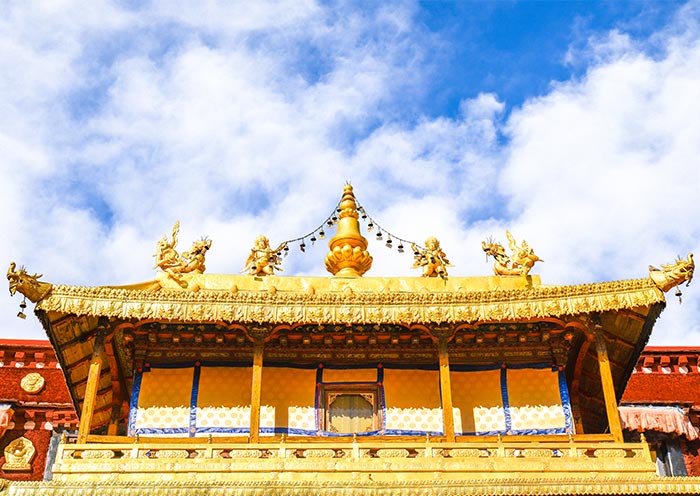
(352, 307)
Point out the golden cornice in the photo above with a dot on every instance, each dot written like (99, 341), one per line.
(347, 306)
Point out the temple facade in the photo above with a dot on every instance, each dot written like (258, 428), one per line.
(350, 384)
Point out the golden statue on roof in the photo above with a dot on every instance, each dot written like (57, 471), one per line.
(348, 255)
(175, 264)
(432, 259)
(263, 260)
(671, 275)
(521, 260)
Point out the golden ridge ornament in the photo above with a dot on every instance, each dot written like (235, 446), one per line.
(520, 262)
(348, 255)
(432, 259)
(263, 260)
(175, 264)
(672, 275)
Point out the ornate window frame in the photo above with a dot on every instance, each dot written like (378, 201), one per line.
(369, 391)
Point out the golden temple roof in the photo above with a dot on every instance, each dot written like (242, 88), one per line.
(318, 300)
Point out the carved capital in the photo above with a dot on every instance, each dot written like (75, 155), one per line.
(259, 333)
(443, 333)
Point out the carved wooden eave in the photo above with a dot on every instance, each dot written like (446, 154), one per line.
(499, 319)
(353, 301)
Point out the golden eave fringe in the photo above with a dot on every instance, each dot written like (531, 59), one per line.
(352, 308)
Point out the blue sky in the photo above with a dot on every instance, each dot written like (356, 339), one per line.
(516, 49)
(572, 124)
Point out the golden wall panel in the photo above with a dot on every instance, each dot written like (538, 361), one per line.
(477, 397)
(289, 393)
(166, 387)
(535, 400)
(224, 387)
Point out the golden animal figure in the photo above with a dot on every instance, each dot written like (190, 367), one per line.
(175, 264)
(432, 259)
(520, 262)
(27, 284)
(671, 275)
(263, 260)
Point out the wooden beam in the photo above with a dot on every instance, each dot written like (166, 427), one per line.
(446, 391)
(256, 384)
(92, 384)
(608, 385)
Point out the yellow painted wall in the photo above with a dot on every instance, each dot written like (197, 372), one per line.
(535, 401)
(164, 398)
(224, 386)
(291, 393)
(477, 396)
(412, 400)
(223, 399)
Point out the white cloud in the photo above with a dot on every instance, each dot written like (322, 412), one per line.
(116, 123)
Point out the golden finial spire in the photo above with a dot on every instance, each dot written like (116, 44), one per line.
(348, 255)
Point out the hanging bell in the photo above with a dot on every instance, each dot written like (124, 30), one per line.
(313, 239)
(388, 243)
(302, 246)
(329, 223)
(379, 236)
(370, 226)
(321, 234)
(22, 307)
(400, 248)
(679, 294)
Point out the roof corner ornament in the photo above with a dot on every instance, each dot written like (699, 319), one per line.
(432, 259)
(263, 260)
(348, 255)
(27, 284)
(672, 275)
(175, 264)
(520, 262)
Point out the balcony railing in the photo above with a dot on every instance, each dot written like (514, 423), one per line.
(351, 458)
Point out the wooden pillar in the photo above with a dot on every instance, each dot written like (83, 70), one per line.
(607, 382)
(255, 391)
(93, 381)
(446, 391)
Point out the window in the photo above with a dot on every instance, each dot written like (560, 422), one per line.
(351, 408)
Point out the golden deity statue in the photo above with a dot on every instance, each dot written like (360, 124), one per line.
(432, 259)
(264, 261)
(521, 260)
(671, 275)
(175, 264)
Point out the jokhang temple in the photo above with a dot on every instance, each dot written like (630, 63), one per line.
(434, 384)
